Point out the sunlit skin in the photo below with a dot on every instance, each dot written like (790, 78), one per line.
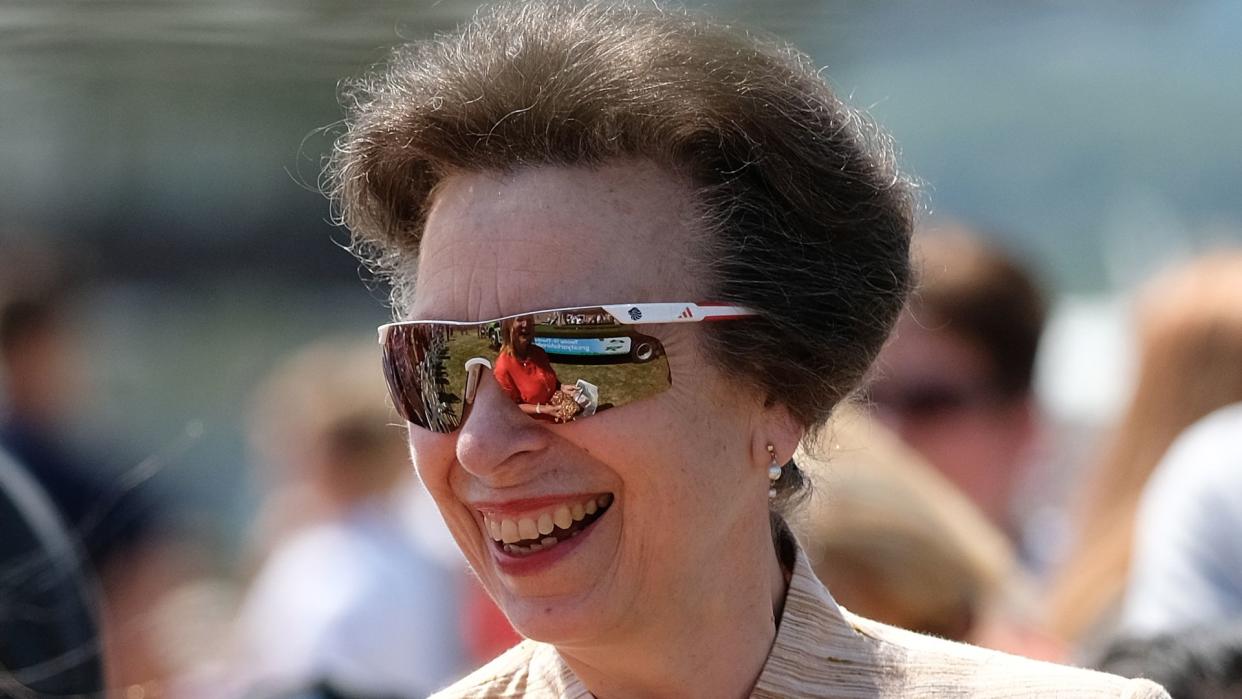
(684, 553)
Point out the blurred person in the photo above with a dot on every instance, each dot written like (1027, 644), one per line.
(1189, 333)
(656, 172)
(118, 522)
(42, 382)
(894, 540)
(1187, 561)
(49, 601)
(358, 591)
(954, 380)
(1200, 661)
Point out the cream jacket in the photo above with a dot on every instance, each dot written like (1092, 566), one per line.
(822, 650)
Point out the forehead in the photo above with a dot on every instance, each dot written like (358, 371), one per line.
(502, 243)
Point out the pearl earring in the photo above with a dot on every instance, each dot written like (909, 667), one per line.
(774, 472)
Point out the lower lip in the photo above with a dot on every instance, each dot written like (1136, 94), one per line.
(539, 561)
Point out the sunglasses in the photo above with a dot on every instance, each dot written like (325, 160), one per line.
(926, 401)
(557, 366)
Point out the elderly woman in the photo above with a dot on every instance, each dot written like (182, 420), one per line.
(633, 170)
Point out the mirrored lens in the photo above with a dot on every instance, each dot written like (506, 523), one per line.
(556, 366)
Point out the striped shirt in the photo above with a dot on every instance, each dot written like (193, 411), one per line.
(822, 650)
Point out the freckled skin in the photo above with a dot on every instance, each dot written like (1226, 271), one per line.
(687, 466)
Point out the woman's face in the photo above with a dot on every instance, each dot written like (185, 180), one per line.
(674, 475)
(520, 334)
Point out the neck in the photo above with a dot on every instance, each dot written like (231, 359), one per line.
(711, 641)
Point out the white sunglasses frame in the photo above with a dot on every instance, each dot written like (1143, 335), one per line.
(623, 313)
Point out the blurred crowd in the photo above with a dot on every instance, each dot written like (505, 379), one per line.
(946, 500)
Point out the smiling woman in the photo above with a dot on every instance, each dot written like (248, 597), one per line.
(690, 191)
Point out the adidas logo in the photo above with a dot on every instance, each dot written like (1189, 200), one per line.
(686, 313)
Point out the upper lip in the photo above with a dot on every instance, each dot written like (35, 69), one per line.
(521, 505)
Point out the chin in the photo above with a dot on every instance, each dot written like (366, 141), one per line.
(557, 621)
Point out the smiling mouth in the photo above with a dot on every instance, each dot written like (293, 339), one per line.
(541, 531)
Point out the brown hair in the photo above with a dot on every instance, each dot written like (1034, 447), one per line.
(974, 290)
(807, 218)
(1190, 332)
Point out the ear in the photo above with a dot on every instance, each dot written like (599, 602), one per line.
(778, 428)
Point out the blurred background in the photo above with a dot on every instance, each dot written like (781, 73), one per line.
(159, 160)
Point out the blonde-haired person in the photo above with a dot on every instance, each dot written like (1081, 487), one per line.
(1190, 364)
(897, 542)
(320, 429)
(893, 539)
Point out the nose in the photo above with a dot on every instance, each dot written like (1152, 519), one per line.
(496, 431)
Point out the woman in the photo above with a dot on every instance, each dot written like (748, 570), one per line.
(631, 163)
(525, 374)
(1190, 364)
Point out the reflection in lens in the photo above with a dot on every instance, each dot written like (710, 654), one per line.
(415, 368)
(434, 384)
(557, 366)
(524, 372)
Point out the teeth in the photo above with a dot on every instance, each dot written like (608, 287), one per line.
(509, 531)
(537, 528)
(527, 529)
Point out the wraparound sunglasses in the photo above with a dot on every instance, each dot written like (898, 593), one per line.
(557, 365)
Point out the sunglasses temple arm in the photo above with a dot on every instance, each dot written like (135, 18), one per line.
(474, 371)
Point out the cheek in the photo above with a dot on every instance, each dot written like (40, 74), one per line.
(683, 451)
(435, 458)
(433, 455)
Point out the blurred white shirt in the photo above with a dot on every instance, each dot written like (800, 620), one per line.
(1187, 568)
(368, 602)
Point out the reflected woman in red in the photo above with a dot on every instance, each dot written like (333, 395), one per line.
(525, 373)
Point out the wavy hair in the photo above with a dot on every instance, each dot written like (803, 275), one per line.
(806, 217)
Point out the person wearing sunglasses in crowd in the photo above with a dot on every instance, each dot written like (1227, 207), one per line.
(705, 232)
(955, 380)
